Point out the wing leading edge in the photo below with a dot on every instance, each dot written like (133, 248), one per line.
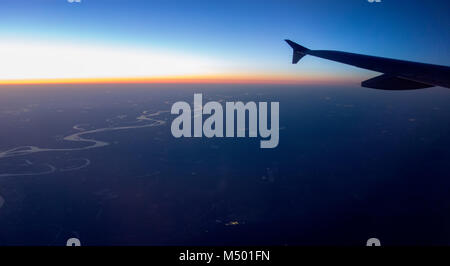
(398, 74)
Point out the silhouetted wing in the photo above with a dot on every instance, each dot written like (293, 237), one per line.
(387, 82)
(398, 74)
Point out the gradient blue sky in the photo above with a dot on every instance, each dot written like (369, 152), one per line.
(244, 36)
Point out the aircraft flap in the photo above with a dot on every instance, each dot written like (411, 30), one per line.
(390, 82)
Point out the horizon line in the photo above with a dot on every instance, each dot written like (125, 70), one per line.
(222, 79)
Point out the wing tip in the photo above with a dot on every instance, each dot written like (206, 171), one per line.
(296, 46)
(298, 51)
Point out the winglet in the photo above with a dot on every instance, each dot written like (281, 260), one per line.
(299, 51)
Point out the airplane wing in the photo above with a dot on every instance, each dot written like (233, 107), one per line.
(397, 74)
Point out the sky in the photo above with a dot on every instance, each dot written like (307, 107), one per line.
(226, 41)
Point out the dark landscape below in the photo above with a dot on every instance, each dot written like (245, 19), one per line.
(352, 163)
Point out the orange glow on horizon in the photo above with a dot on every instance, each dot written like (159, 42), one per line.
(219, 79)
(35, 63)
